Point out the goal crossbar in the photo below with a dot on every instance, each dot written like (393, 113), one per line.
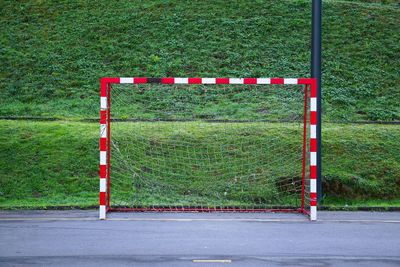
(105, 136)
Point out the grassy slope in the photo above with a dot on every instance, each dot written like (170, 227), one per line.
(53, 52)
(50, 67)
(50, 163)
(55, 164)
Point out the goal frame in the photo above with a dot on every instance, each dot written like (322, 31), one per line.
(105, 134)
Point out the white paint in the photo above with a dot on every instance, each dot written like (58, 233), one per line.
(102, 212)
(181, 80)
(313, 185)
(313, 158)
(125, 80)
(103, 102)
(208, 80)
(103, 130)
(236, 80)
(213, 261)
(103, 185)
(263, 81)
(103, 158)
(313, 131)
(313, 213)
(289, 81)
(313, 104)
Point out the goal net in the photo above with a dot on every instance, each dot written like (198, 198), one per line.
(208, 144)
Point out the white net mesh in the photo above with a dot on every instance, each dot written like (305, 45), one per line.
(205, 147)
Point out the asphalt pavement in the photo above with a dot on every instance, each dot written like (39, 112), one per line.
(78, 238)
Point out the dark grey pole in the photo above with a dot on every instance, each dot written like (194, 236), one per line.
(316, 73)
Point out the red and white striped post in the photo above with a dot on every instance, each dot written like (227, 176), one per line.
(103, 148)
(313, 150)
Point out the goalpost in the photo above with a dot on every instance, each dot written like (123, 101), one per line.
(208, 144)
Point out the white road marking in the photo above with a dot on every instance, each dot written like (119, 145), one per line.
(211, 261)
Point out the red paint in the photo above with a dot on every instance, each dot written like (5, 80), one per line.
(313, 172)
(222, 80)
(103, 88)
(104, 83)
(103, 116)
(313, 145)
(313, 199)
(139, 80)
(277, 81)
(194, 81)
(103, 171)
(110, 80)
(250, 81)
(102, 198)
(167, 80)
(314, 88)
(313, 118)
(304, 81)
(103, 144)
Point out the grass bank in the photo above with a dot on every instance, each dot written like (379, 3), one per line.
(53, 52)
(48, 164)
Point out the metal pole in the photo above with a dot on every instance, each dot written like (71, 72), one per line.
(316, 73)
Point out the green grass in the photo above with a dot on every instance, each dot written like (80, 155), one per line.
(54, 164)
(53, 52)
(334, 203)
(219, 102)
(202, 164)
(45, 164)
